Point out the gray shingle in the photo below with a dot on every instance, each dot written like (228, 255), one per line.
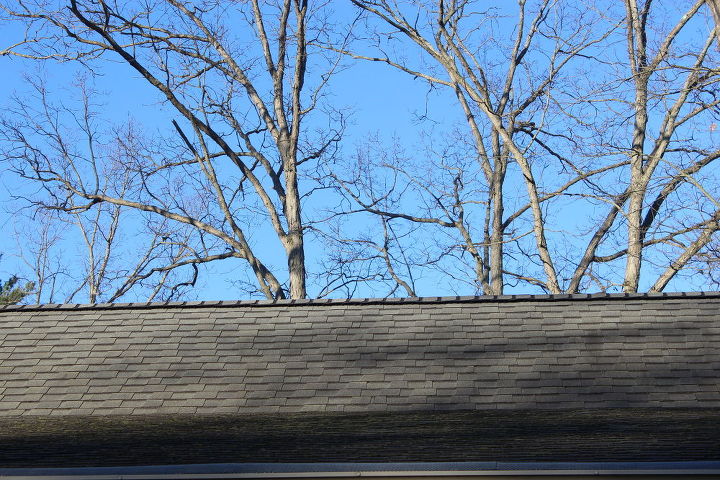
(362, 356)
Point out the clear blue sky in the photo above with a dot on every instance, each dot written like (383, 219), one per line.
(383, 102)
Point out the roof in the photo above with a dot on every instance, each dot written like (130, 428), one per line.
(360, 356)
(597, 435)
(466, 378)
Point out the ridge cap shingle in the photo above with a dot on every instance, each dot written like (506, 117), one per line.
(365, 301)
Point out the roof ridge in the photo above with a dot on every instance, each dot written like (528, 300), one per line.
(364, 301)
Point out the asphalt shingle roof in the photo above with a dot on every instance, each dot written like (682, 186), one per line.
(525, 352)
(599, 435)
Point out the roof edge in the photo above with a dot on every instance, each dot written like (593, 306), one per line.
(400, 469)
(367, 301)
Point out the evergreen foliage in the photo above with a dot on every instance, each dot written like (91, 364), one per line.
(10, 293)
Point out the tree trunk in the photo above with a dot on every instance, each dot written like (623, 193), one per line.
(497, 245)
(634, 250)
(294, 244)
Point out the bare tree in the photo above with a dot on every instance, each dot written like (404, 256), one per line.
(236, 77)
(550, 108)
(507, 104)
(715, 8)
(71, 249)
(663, 214)
(691, 95)
(37, 249)
(584, 144)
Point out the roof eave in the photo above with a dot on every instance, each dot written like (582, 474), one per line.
(378, 471)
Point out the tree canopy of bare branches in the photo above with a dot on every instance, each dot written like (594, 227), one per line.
(603, 117)
(235, 79)
(576, 152)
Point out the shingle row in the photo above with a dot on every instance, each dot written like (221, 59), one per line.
(637, 352)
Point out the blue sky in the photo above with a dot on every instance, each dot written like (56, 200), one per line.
(383, 102)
